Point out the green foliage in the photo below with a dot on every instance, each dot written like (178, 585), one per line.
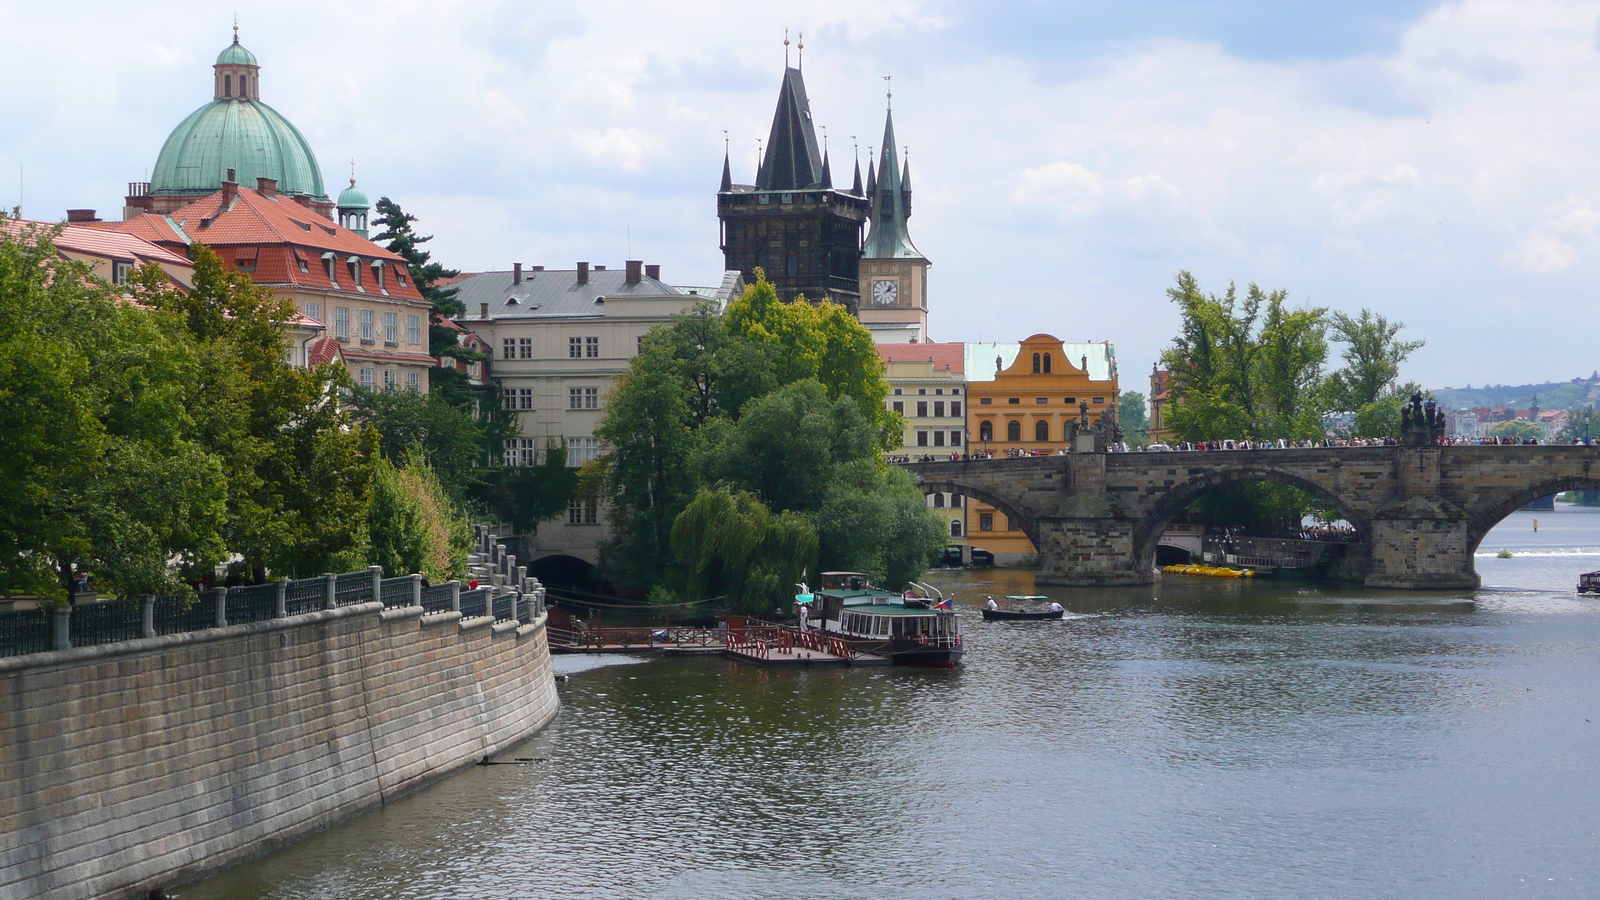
(1372, 355)
(1581, 423)
(772, 409)
(1246, 368)
(447, 436)
(298, 475)
(1516, 429)
(1133, 419)
(101, 467)
(404, 241)
(413, 525)
(733, 546)
(524, 496)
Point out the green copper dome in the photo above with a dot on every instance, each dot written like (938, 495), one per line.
(235, 55)
(247, 136)
(353, 197)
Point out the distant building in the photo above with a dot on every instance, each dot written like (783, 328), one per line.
(894, 273)
(111, 256)
(1031, 398)
(560, 340)
(1160, 430)
(926, 386)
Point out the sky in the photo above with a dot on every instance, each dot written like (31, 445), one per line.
(1434, 162)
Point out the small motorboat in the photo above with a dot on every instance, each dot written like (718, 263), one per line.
(1022, 615)
(1589, 583)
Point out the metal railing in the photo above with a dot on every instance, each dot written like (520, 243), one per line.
(40, 630)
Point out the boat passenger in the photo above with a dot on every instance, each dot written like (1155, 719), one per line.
(1056, 607)
(991, 604)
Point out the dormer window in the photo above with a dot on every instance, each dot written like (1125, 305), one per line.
(120, 270)
(377, 274)
(328, 261)
(354, 264)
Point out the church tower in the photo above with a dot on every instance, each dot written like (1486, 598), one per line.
(792, 223)
(894, 273)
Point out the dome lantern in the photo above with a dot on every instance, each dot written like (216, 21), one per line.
(237, 72)
(353, 205)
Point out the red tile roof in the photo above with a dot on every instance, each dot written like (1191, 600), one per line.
(950, 357)
(98, 242)
(276, 240)
(384, 356)
(323, 351)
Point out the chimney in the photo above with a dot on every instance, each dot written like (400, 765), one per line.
(80, 215)
(536, 268)
(599, 268)
(635, 267)
(583, 273)
(516, 273)
(653, 271)
(483, 310)
(230, 188)
(267, 186)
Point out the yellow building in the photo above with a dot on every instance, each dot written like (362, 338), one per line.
(1031, 398)
(927, 387)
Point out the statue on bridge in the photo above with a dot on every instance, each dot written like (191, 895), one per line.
(1421, 423)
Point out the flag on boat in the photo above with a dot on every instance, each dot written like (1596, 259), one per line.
(942, 604)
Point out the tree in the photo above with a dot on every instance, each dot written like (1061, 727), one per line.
(782, 402)
(412, 523)
(299, 474)
(100, 466)
(1135, 423)
(733, 546)
(1372, 356)
(1516, 428)
(524, 496)
(426, 274)
(447, 436)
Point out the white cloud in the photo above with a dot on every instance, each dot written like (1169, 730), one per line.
(1061, 195)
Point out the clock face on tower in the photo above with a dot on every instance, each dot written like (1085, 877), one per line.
(885, 292)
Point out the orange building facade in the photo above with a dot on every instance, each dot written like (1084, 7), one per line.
(1031, 398)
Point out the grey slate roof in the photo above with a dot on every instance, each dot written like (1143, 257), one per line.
(891, 204)
(553, 292)
(792, 161)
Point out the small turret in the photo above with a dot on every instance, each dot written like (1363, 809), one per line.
(353, 205)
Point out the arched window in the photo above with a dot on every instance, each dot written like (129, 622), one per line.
(1041, 431)
(1047, 363)
(1013, 430)
(985, 431)
(938, 501)
(227, 85)
(1036, 364)
(955, 528)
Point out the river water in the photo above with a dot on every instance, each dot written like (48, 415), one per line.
(1201, 738)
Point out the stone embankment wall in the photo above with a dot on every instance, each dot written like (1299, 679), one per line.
(143, 764)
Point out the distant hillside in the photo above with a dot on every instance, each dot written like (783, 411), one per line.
(1552, 395)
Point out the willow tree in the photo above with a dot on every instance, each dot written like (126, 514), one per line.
(734, 547)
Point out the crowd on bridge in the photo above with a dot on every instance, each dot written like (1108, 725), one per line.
(1160, 447)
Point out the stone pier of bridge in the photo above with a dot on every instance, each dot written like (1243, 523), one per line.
(1096, 517)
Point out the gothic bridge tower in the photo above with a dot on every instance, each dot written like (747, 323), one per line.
(792, 222)
(894, 273)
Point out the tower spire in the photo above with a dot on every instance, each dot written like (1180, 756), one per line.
(793, 160)
(856, 187)
(891, 203)
(727, 167)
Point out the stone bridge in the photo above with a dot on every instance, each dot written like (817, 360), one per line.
(1095, 518)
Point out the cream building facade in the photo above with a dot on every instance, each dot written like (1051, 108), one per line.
(560, 340)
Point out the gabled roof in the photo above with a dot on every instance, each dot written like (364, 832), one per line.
(980, 358)
(97, 242)
(792, 160)
(556, 293)
(950, 357)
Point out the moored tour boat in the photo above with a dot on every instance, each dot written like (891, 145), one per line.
(911, 629)
(1589, 583)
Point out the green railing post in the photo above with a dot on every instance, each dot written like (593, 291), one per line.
(280, 608)
(220, 597)
(333, 591)
(147, 615)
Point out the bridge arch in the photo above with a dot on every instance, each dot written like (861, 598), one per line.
(1148, 531)
(994, 500)
(1485, 519)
